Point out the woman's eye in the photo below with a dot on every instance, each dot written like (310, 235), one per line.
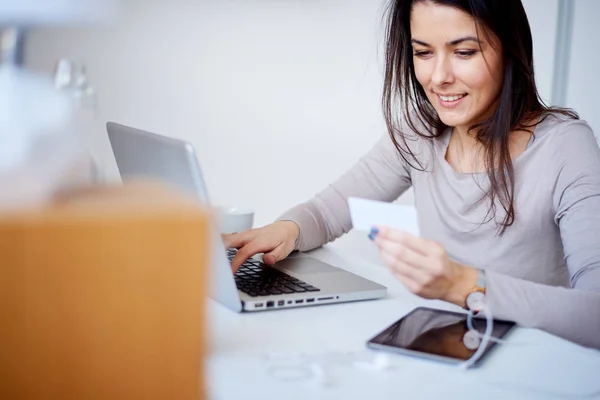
(466, 53)
(422, 53)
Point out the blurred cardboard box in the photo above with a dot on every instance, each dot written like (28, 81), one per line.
(102, 296)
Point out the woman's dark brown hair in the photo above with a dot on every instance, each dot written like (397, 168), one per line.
(518, 100)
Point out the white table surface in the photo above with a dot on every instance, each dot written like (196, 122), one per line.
(250, 354)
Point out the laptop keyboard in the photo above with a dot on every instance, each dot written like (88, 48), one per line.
(257, 279)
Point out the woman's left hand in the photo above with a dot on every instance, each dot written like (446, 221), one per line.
(423, 266)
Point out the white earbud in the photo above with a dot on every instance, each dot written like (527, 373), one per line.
(475, 340)
(472, 339)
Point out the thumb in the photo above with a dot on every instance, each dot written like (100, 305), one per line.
(277, 254)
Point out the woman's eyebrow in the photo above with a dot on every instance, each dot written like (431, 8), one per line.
(464, 39)
(451, 43)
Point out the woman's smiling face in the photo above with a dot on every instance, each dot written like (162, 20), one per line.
(460, 71)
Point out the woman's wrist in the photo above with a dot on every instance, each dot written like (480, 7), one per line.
(465, 281)
(294, 230)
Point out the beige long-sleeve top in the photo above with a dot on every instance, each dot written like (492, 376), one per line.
(544, 272)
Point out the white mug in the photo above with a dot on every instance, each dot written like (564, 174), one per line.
(234, 219)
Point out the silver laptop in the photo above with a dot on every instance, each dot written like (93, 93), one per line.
(297, 281)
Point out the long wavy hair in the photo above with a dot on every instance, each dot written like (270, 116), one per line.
(518, 101)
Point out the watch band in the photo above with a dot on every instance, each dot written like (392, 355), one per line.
(481, 279)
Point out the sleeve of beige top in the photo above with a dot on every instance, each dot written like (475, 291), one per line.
(572, 313)
(381, 174)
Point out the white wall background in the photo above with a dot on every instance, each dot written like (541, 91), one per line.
(279, 96)
(584, 67)
(542, 15)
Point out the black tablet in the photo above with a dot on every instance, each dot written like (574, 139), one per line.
(438, 334)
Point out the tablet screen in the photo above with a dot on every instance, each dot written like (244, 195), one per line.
(437, 334)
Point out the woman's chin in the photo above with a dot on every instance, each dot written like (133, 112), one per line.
(451, 119)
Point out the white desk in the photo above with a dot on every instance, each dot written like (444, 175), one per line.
(244, 346)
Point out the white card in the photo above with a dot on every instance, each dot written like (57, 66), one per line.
(367, 213)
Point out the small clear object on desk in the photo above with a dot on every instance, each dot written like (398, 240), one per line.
(40, 151)
(72, 79)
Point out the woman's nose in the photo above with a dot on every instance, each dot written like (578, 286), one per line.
(442, 72)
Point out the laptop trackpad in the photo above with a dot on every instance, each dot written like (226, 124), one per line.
(304, 264)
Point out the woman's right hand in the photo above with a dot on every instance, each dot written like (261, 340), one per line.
(275, 240)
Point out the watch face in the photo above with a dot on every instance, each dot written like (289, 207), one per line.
(475, 300)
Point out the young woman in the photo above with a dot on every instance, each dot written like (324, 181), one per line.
(507, 189)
